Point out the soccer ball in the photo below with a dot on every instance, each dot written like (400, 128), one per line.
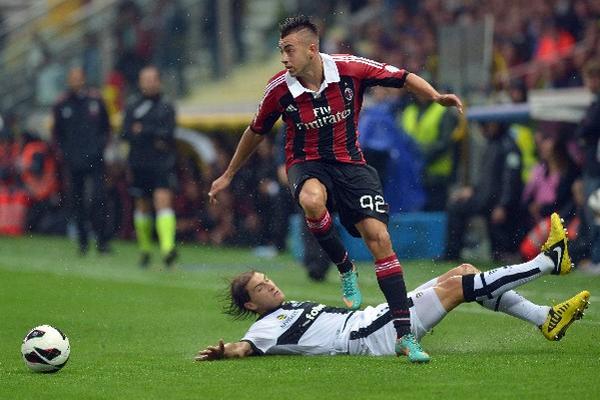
(45, 349)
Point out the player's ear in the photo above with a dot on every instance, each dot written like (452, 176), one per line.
(250, 306)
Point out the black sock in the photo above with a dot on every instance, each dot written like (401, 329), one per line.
(391, 283)
(329, 240)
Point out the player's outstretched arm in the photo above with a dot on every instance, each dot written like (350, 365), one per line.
(224, 350)
(248, 143)
(422, 89)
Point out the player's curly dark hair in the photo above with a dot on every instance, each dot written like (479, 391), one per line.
(295, 24)
(237, 295)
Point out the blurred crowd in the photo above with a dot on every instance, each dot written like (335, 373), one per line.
(523, 173)
(543, 43)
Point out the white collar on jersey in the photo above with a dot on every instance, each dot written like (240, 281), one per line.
(330, 71)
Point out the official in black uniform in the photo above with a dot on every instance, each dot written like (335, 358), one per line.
(81, 131)
(149, 128)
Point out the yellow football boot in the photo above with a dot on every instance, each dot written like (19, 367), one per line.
(556, 246)
(562, 315)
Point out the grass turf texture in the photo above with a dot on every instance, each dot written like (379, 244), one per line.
(134, 334)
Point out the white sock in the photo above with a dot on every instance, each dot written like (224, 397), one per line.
(427, 309)
(492, 283)
(515, 305)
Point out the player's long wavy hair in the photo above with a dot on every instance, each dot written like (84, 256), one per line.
(237, 296)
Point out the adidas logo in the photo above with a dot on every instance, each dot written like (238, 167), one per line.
(291, 108)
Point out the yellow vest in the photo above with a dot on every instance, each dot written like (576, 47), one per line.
(525, 141)
(425, 130)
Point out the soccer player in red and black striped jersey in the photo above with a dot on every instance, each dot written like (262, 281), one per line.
(319, 97)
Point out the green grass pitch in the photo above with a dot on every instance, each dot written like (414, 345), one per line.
(134, 334)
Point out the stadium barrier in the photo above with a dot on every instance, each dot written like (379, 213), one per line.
(415, 235)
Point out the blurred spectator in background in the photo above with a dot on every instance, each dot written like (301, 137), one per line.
(189, 207)
(521, 132)
(495, 196)
(80, 132)
(131, 41)
(588, 132)
(268, 205)
(378, 130)
(92, 60)
(549, 186)
(8, 151)
(48, 71)
(577, 232)
(2, 36)
(393, 153)
(170, 26)
(149, 127)
(433, 127)
(39, 177)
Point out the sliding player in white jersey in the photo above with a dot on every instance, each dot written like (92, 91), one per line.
(312, 328)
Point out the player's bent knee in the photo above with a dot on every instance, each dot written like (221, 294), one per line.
(311, 200)
(466, 269)
(452, 289)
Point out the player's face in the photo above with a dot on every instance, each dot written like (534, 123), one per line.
(264, 294)
(297, 52)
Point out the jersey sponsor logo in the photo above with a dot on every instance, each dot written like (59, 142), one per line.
(324, 120)
(313, 313)
(287, 319)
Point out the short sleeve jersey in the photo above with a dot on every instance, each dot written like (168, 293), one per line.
(323, 125)
(300, 328)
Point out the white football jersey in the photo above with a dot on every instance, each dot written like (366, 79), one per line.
(312, 328)
(300, 328)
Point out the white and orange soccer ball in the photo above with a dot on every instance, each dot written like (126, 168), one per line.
(45, 349)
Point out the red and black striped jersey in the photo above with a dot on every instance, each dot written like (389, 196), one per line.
(323, 125)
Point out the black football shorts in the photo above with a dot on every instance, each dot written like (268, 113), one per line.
(145, 181)
(353, 190)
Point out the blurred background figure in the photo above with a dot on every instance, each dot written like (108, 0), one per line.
(588, 133)
(149, 128)
(433, 127)
(81, 130)
(214, 56)
(495, 196)
(549, 186)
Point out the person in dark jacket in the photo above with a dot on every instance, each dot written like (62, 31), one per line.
(81, 130)
(588, 133)
(495, 196)
(149, 127)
